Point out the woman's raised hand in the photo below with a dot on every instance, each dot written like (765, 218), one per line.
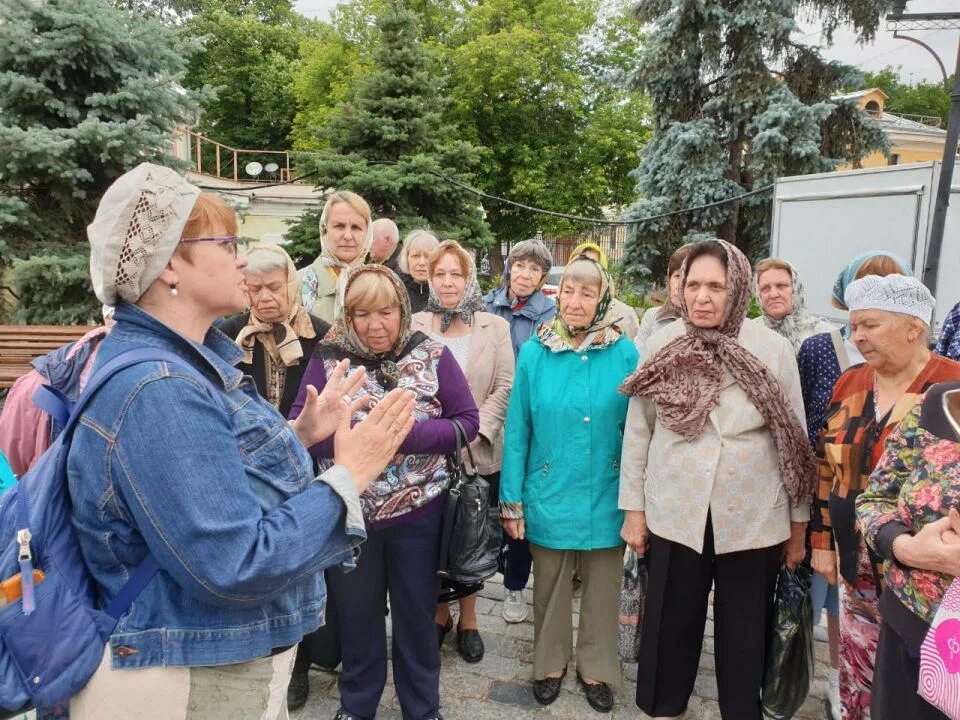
(323, 412)
(367, 448)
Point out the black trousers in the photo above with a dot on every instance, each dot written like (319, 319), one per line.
(673, 625)
(402, 561)
(896, 674)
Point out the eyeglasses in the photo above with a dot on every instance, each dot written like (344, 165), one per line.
(228, 243)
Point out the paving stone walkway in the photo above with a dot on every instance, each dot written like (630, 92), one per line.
(499, 686)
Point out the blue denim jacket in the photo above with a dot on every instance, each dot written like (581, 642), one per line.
(227, 503)
(524, 322)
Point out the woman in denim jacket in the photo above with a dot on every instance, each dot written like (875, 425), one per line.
(219, 491)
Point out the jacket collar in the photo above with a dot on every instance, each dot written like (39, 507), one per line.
(216, 357)
(535, 306)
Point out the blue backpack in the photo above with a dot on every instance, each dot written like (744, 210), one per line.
(52, 638)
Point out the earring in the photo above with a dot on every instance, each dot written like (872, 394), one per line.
(173, 289)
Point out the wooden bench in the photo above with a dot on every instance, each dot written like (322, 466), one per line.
(20, 344)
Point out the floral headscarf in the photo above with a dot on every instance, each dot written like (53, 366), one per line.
(600, 331)
(343, 338)
(471, 300)
(280, 340)
(685, 377)
(799, 324)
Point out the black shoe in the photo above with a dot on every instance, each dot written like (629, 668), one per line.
(470, 645)
(546, 691)
(599, 695)
(299, 687)
(442, 630)
(343, 715)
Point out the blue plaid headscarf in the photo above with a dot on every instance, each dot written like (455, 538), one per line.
(849, 273)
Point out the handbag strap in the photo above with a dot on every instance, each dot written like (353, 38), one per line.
(462, 443)
(452, 499)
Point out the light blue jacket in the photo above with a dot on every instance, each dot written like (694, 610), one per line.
(564, 432)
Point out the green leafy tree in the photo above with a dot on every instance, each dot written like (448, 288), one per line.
(395, 114)
(537, 83)
(302, 240)
(249, 57)
(923, 98)
(736, 104)
(55, 290)
(87, 91)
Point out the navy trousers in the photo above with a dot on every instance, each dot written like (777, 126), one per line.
(515, 557)
(400, 560)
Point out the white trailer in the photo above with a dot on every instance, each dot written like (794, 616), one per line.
(820, 222)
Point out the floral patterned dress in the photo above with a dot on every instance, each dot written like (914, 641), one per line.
(848, 449)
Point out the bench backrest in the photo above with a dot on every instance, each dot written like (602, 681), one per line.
(21, 344)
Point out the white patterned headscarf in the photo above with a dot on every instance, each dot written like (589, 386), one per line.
(893, 293)
(800, 323)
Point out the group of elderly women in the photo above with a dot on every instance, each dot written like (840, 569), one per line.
(689, 442)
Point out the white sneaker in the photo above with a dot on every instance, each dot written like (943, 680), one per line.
(833, 694)
(515, 608)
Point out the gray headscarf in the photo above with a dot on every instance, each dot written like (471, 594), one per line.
(800, 323)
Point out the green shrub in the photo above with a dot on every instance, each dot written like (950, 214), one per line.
(55, 290)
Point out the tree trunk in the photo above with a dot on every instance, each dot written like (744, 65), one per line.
(729, 228)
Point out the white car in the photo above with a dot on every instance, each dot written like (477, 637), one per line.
(552, 286)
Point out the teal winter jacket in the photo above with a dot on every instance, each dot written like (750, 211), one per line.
(564, 431)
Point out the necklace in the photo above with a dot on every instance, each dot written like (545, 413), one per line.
(876, 398)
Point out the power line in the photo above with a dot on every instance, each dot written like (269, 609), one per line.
(522, 206)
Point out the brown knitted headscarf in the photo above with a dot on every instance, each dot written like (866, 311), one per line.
(684, 379)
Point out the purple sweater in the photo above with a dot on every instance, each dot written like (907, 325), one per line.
(442, 395)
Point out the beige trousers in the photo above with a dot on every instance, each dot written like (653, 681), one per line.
(254, 690)
(600, 575)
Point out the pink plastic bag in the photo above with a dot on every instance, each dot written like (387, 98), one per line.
(940, 656)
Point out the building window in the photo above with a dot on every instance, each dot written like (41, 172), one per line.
(894, 160)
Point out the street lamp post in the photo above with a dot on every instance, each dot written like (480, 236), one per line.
(944, 20)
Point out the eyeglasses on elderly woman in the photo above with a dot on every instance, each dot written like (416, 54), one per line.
(228, 242)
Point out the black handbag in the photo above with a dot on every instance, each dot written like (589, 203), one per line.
(471, 533)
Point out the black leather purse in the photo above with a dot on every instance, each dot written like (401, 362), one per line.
(471, 534)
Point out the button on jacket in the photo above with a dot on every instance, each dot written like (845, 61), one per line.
(226, 502)
(731, 470)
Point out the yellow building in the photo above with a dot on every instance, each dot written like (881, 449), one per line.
(913, 138)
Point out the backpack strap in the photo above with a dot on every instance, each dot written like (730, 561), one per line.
(843, 358)
(59, 407)
(53, 402)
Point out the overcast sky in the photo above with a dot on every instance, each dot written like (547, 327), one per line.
(915, 62)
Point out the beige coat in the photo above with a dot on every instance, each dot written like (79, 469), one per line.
(628, 324)
(489, 373)
(730, 470)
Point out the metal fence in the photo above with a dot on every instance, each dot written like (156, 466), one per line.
(611, 240)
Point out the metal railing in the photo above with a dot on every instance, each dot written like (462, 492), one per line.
(215, 159)
(929, 120)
